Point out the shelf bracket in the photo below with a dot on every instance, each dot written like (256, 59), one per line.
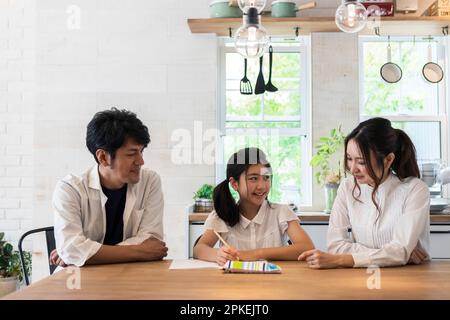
(230, 33)
(445, 30)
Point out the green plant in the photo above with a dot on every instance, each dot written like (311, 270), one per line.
(10, 265)
(205, 192)
(321, 161)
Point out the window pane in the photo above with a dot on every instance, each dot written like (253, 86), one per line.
(284, 155)
(285, 65)
(242, 105)
(284, 103)
(412, 95)
(425, 136)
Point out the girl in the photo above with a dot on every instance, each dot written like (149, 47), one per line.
(253, 228)
(381, 214)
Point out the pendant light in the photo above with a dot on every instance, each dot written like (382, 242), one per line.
(251, 38)
(351, 16)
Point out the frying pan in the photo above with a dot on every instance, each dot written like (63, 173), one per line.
(390, 72)
(432, 72)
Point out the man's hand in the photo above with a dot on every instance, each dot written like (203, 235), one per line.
(151, 249)
(56, 260)
(418, 255)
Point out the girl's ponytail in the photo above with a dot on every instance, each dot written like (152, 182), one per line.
(224, 203)
(405, 162)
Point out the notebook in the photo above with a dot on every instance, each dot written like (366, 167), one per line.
(260, 266)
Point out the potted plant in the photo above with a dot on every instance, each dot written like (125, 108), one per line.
(328, 174)
(203, 198)
(10, 267)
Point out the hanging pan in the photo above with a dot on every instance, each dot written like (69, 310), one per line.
(432, 72)
(390, 72)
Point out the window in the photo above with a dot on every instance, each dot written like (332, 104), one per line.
(412, 104)
(276, 122)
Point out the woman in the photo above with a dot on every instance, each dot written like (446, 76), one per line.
(253, 228)
(381, 213)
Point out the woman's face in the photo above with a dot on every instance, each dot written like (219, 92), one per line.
(254, 185)
(357, 166)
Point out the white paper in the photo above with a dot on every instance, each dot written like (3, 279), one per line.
(192, 264)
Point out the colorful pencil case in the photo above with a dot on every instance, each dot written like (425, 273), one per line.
(250, 267)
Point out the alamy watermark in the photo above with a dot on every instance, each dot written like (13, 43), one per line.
(374, 280)
(73, 21)
(73, 282)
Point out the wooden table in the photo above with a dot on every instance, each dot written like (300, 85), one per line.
(153, 280)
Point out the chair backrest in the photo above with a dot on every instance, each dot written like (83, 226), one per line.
(49, 236)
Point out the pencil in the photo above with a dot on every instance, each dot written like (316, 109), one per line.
(221, 239)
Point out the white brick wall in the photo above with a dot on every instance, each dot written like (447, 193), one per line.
(16, 116)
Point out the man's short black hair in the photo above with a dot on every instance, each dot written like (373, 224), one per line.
(110, 129)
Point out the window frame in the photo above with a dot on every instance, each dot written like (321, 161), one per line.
(303, 47)
(443, 115)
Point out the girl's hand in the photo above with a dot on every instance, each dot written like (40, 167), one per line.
(317, 259)
(226, 253)
(249, 255)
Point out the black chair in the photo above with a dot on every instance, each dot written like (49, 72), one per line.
(50, 237)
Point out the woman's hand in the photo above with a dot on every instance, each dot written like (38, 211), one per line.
(317, 259)
(226, 253)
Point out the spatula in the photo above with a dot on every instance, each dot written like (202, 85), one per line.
(260, 86)
(245, 84)
(269, 86)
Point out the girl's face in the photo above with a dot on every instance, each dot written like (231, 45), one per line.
(254, 185)
(357, 166)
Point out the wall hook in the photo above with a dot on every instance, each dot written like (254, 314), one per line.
(230, 33)
(297, 29)
(377, 31)
(445, 30)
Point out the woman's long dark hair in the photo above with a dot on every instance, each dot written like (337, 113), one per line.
(376, 135)
(224, 204)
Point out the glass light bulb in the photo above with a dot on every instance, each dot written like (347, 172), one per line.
(351, 16)
(245, 4)
(251, 41)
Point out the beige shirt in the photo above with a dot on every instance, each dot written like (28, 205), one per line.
(384, 238)
(80, 218)
(267, 229)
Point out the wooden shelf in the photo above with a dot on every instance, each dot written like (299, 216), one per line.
(419, 26)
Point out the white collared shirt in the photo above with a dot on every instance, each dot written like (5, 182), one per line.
(80, 218)
(266, 230)
(384, 238)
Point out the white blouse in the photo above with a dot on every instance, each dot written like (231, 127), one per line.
(384, 238)
(267, 229)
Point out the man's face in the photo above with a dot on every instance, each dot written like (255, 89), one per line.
(126, 166)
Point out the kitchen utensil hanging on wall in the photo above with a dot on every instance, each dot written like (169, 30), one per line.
(390, 72)
(432, 72)
(260, 86)
(245, 85)
(269, 86)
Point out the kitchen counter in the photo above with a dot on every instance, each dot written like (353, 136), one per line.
(319, 217)
(154, 280)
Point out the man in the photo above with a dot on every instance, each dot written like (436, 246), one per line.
(113, 212)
